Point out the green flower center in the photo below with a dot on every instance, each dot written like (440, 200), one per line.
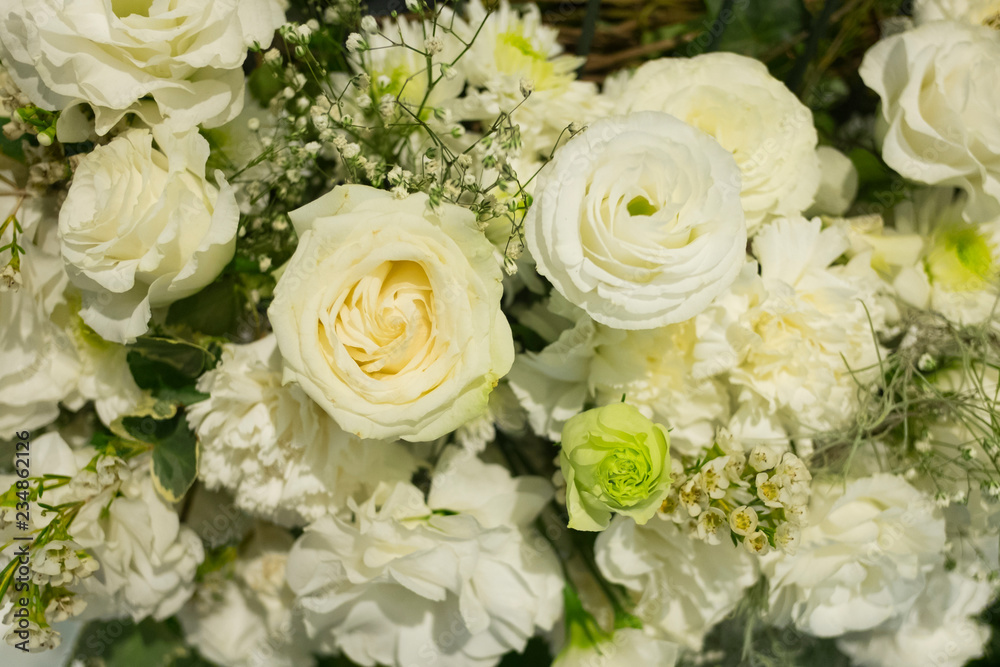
(961, 259)
(624, 475)
(640, 206)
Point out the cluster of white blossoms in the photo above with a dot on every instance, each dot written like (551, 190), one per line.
(352, 367)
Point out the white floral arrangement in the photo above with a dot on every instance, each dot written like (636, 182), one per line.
(330, 338)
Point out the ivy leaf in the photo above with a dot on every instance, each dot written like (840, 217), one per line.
(169, 367)
(175, 452)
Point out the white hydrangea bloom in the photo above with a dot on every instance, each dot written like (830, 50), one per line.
(753, 115)
(864, 557)
(249, 620)
(279, 453)
(681, 585)
(796, 337)
(459, 579)
(938, 631)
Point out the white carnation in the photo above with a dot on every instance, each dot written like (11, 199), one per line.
(938, 631)
(141, 228)
(275, 449)
(864, 557)
(459, 579)
(753, 115)
(638, 221)
(796, 336)
(592, 363)
(936, 84)
(179, 62)
(681, 586)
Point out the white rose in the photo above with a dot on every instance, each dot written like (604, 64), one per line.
(863, 558)
(681, 586)
(178, 62)
(275, 449)
(937, 85)
(456, 580)
(638, 221)
(388, 314)
(141, 228)
(983, 12)
(753, 115)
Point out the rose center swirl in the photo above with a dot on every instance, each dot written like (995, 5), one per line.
(386, 321)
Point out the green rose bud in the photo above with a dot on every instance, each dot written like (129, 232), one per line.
(614, 460)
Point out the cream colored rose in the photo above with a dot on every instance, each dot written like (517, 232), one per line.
(141, 228)
(983, 12)
(938, 85)
(388, 314)
(179, 62)
(638, 221)
(752, 114)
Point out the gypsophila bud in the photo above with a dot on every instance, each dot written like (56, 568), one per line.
(355, 43)
(369, 24)
(527, 87)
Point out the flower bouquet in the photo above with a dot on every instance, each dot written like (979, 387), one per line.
(436, 334)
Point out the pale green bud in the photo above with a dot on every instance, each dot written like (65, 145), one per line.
(614, 460)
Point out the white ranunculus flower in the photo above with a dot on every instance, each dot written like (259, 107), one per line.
(177, 62)
(141, 228)
(275, 449)
(638, 221)
(864, 556)
(627, 647)
(938, 631)
(388, 314)
(980, 12)
(939, 99)
(681, 586)
(796, 336)
(458, 579)
(753, 115)
(249, 620)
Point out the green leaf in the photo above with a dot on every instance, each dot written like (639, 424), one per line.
(175, 452)
(744, 28)
(213, 311)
